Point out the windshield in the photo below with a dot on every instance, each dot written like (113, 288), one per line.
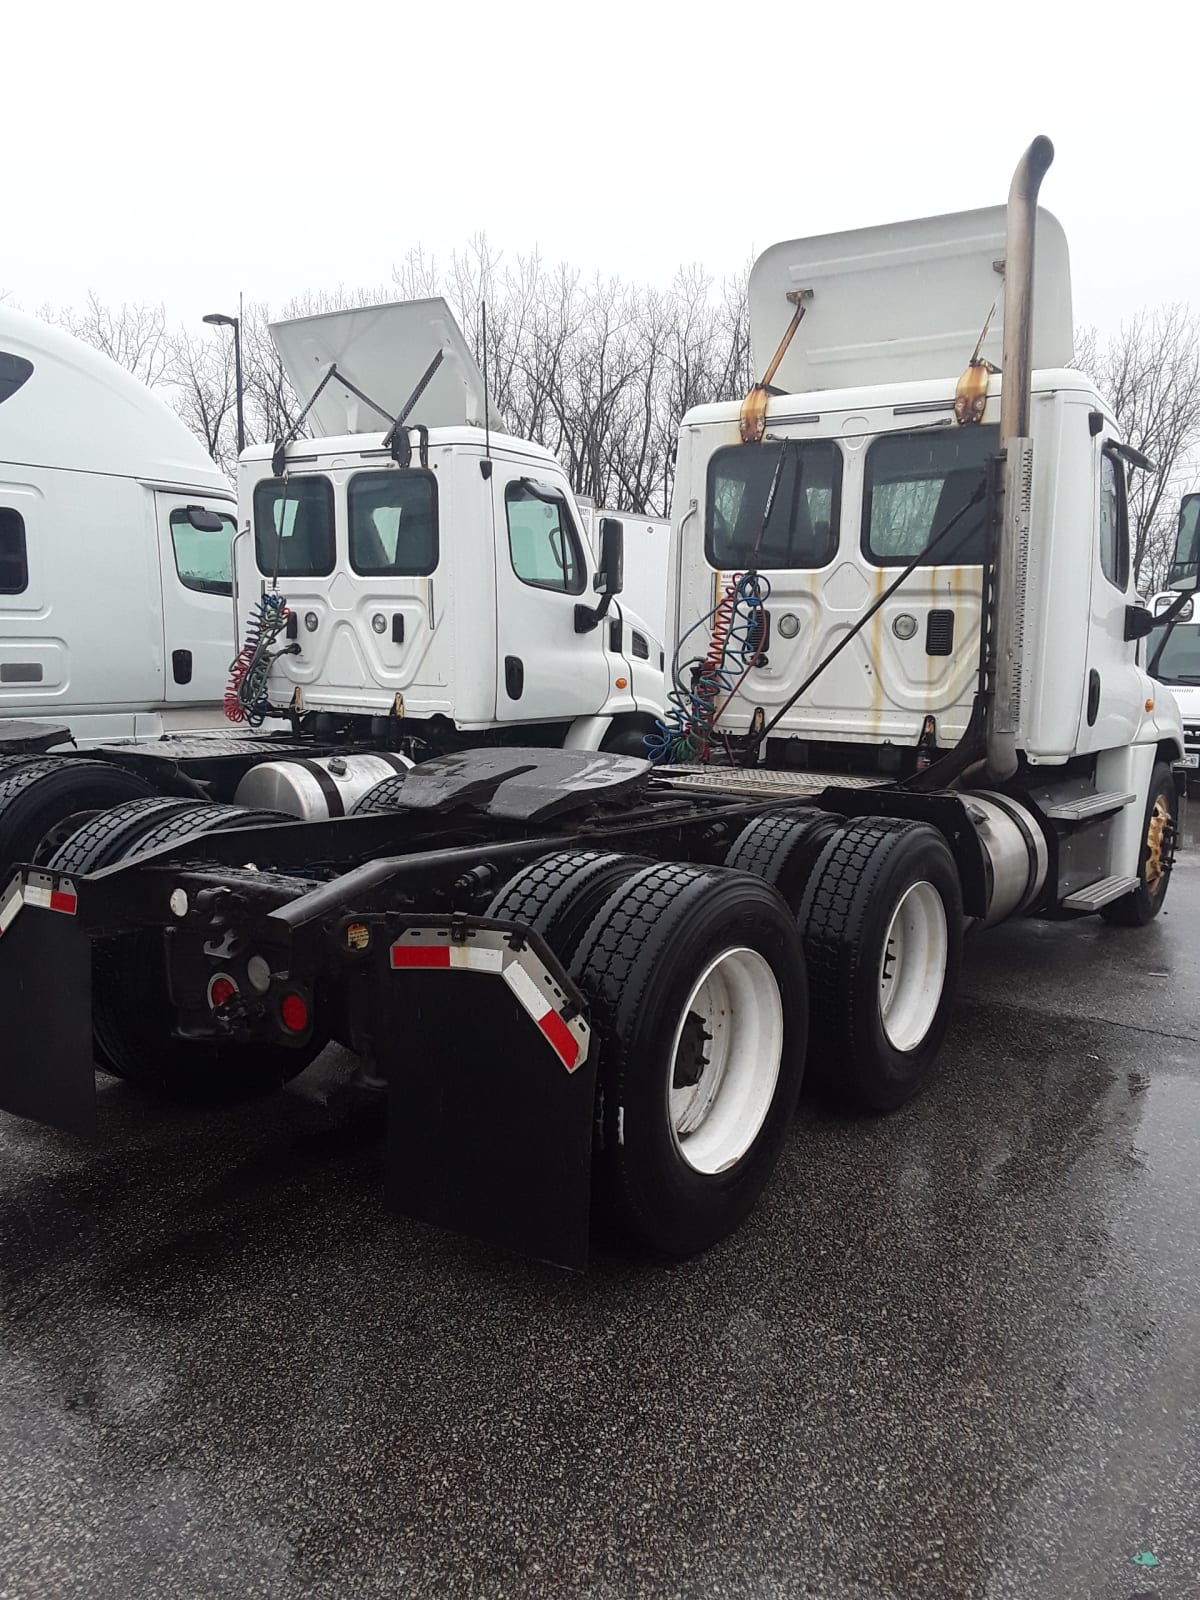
(801, 529)
(1180, 659)
(915, 483)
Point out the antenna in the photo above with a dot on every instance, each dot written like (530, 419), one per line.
(487, 423)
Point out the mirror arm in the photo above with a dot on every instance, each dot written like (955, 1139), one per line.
(586, 618)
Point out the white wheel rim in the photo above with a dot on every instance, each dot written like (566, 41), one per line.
(912, 969)
(725, 1059)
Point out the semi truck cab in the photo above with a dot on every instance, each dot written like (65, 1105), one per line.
(437, 576)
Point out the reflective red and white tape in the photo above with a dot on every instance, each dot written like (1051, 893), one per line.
(44, 889)
(489, 951)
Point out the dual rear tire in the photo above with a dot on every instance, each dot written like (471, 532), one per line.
(694, 978)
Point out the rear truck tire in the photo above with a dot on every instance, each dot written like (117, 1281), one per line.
(559, 895)
(1142, 905)
(783, 847)
(882, 926)
(131, 1011)
(385, 796)
(10, 763)
(43, 802)
(695, 983)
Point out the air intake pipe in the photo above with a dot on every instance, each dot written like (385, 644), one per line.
(1016, 379)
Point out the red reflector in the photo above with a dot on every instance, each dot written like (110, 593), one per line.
(220, 990)
(420, 955)
(62, 902)
(293, 1013)
(561, 1037)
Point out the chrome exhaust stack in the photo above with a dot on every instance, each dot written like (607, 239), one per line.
(1004, 709)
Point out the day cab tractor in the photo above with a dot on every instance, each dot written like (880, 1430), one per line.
(905, 701)
(1173, 658)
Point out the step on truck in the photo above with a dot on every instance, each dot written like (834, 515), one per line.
(905, 702)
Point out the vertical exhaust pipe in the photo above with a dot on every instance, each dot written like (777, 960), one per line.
(1016, 380)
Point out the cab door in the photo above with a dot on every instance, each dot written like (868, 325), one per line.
(197, 594)
(546, 670)
(1112, 687)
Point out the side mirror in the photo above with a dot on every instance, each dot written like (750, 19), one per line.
(611, 577)
(204, 520)
(1184, 574)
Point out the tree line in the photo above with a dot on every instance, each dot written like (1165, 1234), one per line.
(601, 370)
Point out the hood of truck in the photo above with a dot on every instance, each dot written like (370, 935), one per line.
(384, 351)
(1187, 698)
(904, 301)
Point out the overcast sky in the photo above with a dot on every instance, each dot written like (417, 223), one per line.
(181, 153)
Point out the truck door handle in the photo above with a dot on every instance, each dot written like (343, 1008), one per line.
(1093, 703)
(397, 627)
(181, 666)
(514, 677)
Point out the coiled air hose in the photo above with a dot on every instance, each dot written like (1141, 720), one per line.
(702, 687)
(246, 697)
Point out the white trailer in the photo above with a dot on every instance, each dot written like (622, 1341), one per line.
(115, 527)
(906, 697)
(647, 560)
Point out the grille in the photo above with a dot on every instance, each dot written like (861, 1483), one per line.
(640, 646)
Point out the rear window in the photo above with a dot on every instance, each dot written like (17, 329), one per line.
(915, 483)
(393, 524)
(773, 505)
(293, 527)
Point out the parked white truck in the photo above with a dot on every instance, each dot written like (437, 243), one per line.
(905, 697)
(1173, 656)
(115, 528)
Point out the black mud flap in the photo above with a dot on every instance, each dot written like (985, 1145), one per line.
(492, 1081)
(47, 1070)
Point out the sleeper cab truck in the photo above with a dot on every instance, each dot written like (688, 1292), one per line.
(115, 533)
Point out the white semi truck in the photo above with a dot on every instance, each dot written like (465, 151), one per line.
(115, 529)
(905, 699)
(1173, 657)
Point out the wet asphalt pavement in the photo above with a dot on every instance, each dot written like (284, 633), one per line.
(953, 1354)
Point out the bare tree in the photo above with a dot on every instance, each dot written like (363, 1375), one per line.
(133, 334)
(1150, 374)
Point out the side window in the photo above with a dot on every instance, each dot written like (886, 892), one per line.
(1114, 522)
(14, 563)
(542, 542)
(393, 523)
(14, 371)
(203, 560)
(293, 527)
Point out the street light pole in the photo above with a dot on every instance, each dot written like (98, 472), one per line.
(218, 319)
